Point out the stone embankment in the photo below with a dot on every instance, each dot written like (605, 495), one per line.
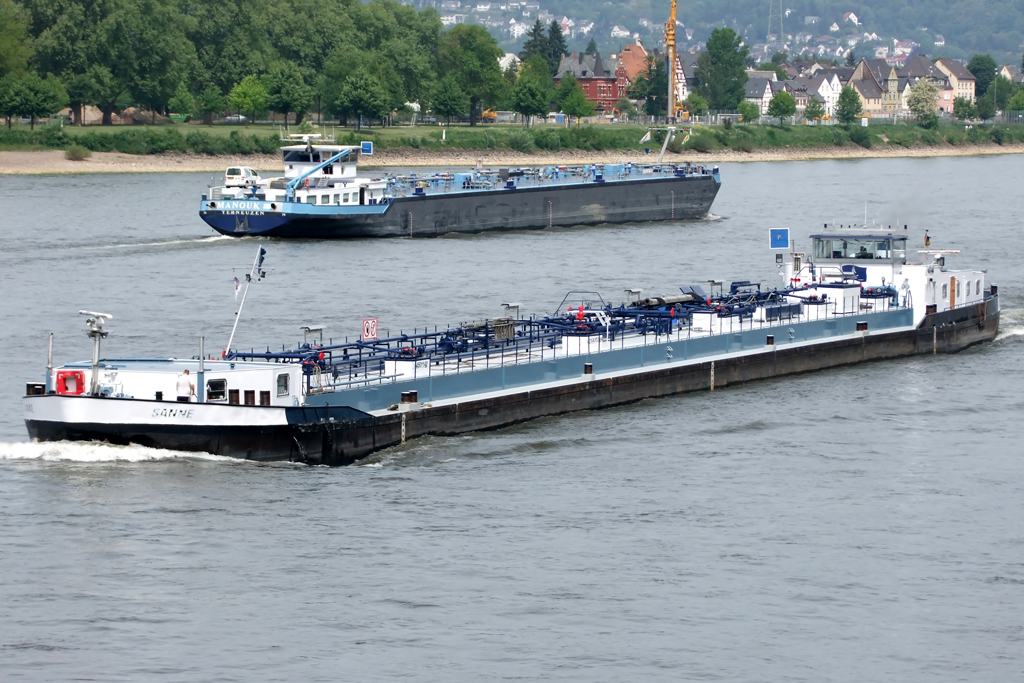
(53, 161)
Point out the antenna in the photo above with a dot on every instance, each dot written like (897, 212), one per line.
(256, 269)
(97, 334)
(776, 39)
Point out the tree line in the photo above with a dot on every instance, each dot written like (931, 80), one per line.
(340, 57)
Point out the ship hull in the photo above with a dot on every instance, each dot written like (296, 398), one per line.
(433, 215)
(342, 438)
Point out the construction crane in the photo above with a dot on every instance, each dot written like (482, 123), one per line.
(670, 47)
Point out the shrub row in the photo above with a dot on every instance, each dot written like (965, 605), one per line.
(746, 138)
(140, 141)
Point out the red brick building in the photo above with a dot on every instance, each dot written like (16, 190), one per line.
(603, 81)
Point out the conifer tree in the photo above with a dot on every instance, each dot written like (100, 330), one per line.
(536, 42)
(556, 46)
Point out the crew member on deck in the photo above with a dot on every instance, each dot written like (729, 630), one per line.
(185, 387)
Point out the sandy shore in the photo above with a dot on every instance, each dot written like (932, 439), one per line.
(53, 161)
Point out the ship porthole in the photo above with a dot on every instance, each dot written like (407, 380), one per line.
(273, 207)
(213, 205)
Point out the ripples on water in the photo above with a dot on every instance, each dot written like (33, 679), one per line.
(857, 524)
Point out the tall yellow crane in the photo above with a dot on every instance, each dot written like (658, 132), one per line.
(670, 46)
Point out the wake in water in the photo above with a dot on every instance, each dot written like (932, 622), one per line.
(190, 240)
(1011, 323)
(67, 451)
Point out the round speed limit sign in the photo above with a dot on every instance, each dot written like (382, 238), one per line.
(369, 329)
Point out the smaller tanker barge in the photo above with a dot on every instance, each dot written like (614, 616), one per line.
(853, 298)
(321, 195)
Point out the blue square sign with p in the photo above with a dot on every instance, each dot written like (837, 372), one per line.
(366, 148)
(778, 238)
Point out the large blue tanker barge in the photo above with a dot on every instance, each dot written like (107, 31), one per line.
(854, 298)
(321, 196)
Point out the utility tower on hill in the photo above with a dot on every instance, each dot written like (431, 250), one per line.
(776, 38)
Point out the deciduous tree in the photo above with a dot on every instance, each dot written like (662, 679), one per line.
(984, 69)
(10, 97)
(362, 97)
(41, 97)
(470, 54)
(15, 43)
(922, 102)
(986, 108)
(287, 92)
(651, 86)
(449, 99)
(249, 97)
(782, 106)
(81, 91)
(721, 71)
(210, 102)
(815, 110)
(578, 105)
(182, 102)
(696, 105)
(749, 111)
(964, 109)
(529, 97)
(1016, 103)
(848, 107)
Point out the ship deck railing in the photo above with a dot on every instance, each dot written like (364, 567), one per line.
(354, 364)
(515, 178)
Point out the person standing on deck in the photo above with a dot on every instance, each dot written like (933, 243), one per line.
(185, 387)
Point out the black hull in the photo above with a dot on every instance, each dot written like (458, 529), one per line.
(654, 199)
(345, 441)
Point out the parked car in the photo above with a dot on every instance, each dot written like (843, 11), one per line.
(428, 119)
(235, 118)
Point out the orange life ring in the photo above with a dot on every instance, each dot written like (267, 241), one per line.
(306, 182)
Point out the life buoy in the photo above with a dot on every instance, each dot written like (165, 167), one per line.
(70, 382)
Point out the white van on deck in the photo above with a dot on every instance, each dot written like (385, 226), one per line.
(241, 176)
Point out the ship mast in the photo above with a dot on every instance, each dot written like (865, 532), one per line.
(670, 46)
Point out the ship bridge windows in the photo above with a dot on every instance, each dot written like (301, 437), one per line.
(860, 248)
(216, 389)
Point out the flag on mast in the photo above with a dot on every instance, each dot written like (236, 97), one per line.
(238, 287)
(645, 138)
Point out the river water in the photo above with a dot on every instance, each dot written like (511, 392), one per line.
(852, 525)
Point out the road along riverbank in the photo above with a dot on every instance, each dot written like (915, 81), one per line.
(53, 162)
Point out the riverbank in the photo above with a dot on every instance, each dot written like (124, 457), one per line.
(53, 162)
